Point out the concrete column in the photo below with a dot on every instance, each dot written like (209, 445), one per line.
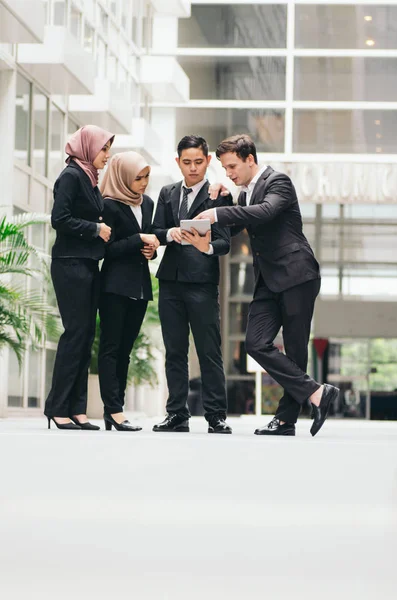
(7, 129)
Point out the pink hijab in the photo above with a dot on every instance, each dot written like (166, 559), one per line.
(85, 145)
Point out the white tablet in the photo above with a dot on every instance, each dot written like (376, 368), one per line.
(201, 226)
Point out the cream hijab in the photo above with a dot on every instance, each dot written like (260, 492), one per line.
(122, 170)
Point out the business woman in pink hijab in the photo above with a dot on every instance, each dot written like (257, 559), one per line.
(81, 234)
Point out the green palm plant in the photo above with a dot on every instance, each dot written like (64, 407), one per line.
(24, 317)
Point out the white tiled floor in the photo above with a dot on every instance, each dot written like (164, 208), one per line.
(196, 516)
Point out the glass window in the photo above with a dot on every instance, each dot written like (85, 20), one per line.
(238, 317)
(40, 114)
(34, 379)
(103, 20)
(59, 12)
(125, 6)
(240, 245)
(346, 26)
(49, 367)
(242, 279)
(234, 26)
(89, 9)
(136, 22)
(114, 39)
(101, 58)
(72, 127)
(56, 143)
(369, 243)
(266, 126)
(37, 200)
(22, 120)
(369, 281)
(235, 78)
(345, 78)
(330, 242)
(372, 212)
(20, 188)
(112, 68)
(329, 281)
(345, 131)
(15, 382)
(75, 22)
(88, 41)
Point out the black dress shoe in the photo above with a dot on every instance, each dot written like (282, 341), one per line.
(71, 426)
(218, 425)
(124, 426)
(330, 394)
(173, 422)
(275, 428)
(87, 425)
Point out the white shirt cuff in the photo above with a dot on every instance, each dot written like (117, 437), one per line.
(210, 251)
(169, 238)
(215, 215)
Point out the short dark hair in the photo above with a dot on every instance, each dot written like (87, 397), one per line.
(241, 144)
(192, 141)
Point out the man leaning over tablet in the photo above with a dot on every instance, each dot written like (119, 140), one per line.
(189, 278)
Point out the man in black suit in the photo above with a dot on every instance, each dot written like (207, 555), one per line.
(287, 281)
(188, 297)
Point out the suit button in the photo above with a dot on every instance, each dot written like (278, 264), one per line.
(257, 253)
(100, 218)
(253, 236)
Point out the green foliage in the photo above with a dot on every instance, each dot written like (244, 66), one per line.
(24, 317)
(141, 369)
(363, 357)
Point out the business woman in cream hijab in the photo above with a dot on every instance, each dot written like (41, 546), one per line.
(125, 278)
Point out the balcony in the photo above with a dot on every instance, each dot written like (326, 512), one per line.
(108, 107)
(143, 139)
(21, 21)
(164, 79)
(60, 64)
(174, 8)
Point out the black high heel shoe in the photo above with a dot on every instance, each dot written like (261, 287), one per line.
(87, 425)
(124, 426)
(63, 425)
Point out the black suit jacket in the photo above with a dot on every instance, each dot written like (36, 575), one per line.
(282, 254)
(186, 263)
(78, 207)
(125, 271)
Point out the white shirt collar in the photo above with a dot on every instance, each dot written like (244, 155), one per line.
(252, 183)
(195, 188)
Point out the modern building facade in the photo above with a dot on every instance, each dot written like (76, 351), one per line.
(65, 63)
(313, 82)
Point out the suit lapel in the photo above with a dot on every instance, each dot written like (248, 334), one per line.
(201, 197)
(126, 209)
(96, 198)
(175, 198)
(257, 195)
(146, 214)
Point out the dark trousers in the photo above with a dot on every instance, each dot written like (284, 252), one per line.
(121, 320)
(76, 284)
(292, 310)
(196, 306)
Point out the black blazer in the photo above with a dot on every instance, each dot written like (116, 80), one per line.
(186, 263)
(282, 254)
(78, 207)
(125, 271)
